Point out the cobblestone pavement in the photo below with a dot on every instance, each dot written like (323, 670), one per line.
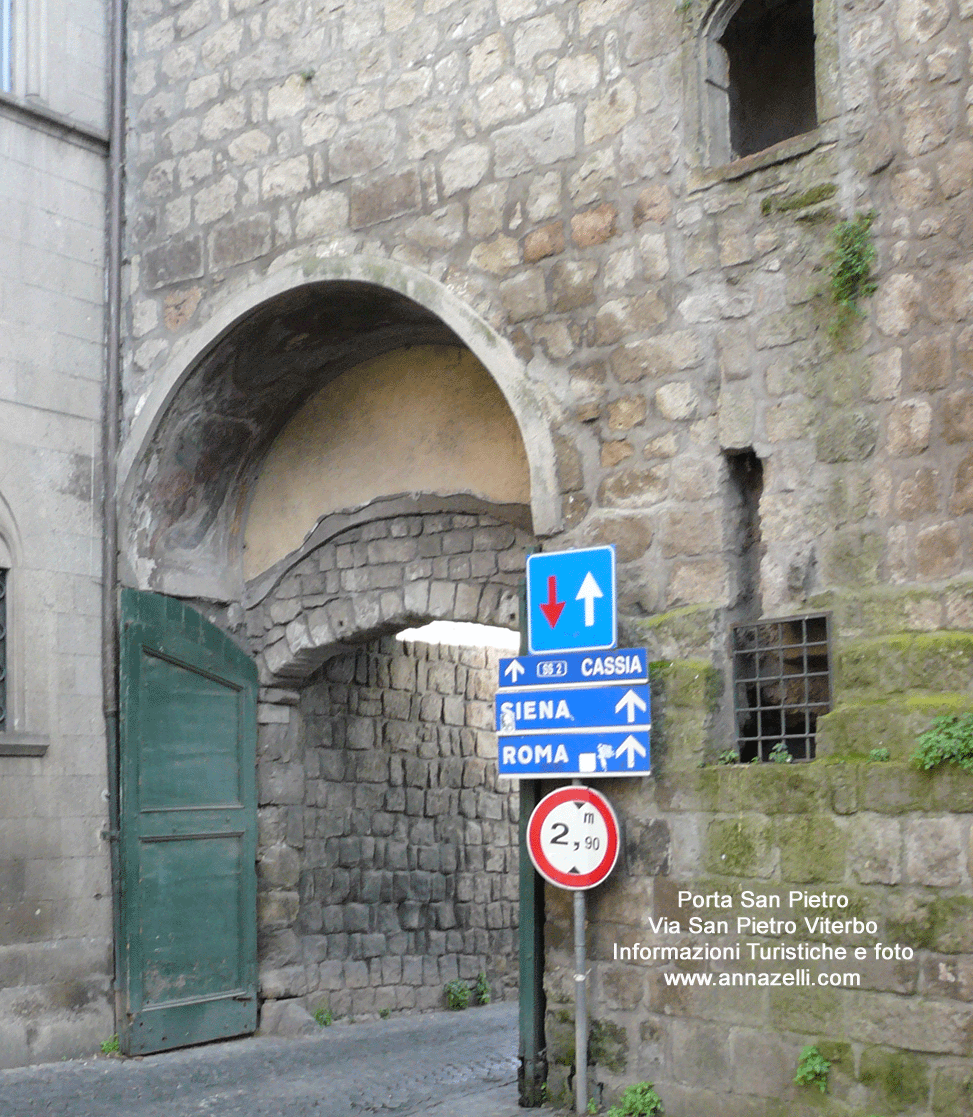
(433, 1065)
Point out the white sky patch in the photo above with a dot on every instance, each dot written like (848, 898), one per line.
(463, 634)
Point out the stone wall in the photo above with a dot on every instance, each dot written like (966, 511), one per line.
(890, 845)
(388, 867)
(55, 888)
(547, 167)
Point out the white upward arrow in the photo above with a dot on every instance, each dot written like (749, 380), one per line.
(631, 746)
(629, 702)
(588, 592)
(515, 669)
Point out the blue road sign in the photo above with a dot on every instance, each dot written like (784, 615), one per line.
(572, 669)
(567, 711)
(617, 752)
(571, 600)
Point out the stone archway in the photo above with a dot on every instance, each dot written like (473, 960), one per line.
(388, 861)
(197, 436)
(321, 613)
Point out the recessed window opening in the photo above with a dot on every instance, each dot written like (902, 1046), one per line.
(782, 685)
(769, 80)
(746, 478)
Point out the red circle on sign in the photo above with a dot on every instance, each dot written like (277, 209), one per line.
(553, 823)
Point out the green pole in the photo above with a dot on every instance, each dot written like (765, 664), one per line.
(532, 1074)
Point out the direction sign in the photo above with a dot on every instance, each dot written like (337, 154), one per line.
(612, 752)
(537, 711)
(572, 838)
(570, 669)
(571, 600)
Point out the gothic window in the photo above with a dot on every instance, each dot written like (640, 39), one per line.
(759, 83)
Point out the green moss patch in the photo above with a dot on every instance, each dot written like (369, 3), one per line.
(900, 1078)
(608, 1045)
(797, 200)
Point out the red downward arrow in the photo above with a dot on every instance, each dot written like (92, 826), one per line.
(552, 607)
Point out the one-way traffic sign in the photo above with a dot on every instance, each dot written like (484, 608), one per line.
(571, 600)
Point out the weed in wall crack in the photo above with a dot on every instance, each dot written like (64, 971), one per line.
(850, 264)
(812, 1069)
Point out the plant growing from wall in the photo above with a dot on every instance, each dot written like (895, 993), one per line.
(948, 740)
(458, 994)
(110, 1046)
(812, 1069)
(879, 756)
(779, 754)
(481, 989)
(850, 269)
(639, 1100)
(324, 1017)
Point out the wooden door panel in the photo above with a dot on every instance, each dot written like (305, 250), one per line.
(187, 960)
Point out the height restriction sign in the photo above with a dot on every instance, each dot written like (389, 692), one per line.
(572, 837)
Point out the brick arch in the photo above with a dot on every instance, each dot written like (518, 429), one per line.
(387, 862)
(395, 564)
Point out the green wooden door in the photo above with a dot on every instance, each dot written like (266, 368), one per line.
(187, 959)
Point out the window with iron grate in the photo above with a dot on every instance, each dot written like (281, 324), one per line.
(781, 685)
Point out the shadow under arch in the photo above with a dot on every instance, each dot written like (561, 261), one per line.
(200, 434)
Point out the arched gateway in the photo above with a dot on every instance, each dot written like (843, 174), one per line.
(344, 450)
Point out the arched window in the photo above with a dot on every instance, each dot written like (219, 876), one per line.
(759, 84)
(14, 665)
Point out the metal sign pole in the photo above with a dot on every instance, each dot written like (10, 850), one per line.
(580, 1005)
(580, 1001)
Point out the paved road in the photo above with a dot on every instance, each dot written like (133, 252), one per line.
(444, 1064)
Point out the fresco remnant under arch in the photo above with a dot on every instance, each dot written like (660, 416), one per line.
(198, 437)
(424, 419)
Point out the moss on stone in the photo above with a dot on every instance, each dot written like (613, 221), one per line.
(900, 1078)
(608, 1045)
(951, 924)
(679, 633)
(559, 1033)
(738, 847)
(786, 789)
(855, 553)
(787, 203)
(852, 729)
(811, 849)
(952, 1092)
(836, 1051)
(804, 1010)
(894, 788)
(691, 683)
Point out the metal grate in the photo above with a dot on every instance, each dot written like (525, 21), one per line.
(3, 650)
(781, 685)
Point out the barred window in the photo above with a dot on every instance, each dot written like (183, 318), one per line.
(3, 650)
(781, 686)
